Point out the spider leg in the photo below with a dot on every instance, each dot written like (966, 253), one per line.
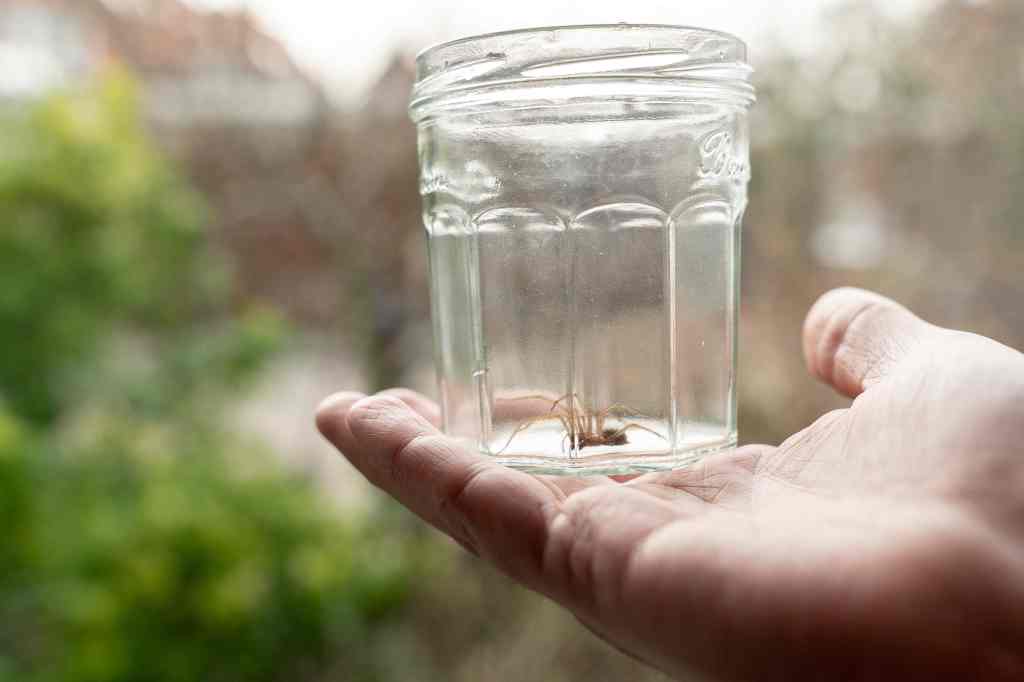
(569, 398)
(519, 429)
(570, 433)
(572, 398)
(506, 404)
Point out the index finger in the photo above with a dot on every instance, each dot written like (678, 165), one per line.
(496, 512)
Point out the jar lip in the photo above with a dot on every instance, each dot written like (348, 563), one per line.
(534, 60)
(513, 32)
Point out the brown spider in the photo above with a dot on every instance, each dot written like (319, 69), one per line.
(583, 428)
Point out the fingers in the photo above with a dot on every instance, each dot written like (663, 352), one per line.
(417, 402)
(330, 416)
(853, 338)
(497, 512)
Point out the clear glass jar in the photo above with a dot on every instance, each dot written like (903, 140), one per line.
(583, 189)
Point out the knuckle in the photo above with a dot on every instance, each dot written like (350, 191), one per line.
(452, 498)
(405, 455)
(454, 506)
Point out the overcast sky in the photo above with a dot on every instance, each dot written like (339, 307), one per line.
(348, 42)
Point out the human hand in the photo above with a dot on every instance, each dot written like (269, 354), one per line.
(885, 541)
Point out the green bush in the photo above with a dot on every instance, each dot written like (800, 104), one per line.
(96, 231)
(143, 540)
(179, 562)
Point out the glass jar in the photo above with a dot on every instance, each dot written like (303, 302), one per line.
(583, 188)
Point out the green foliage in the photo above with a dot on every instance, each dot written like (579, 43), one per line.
(95, 231)
(182, 561)
(144, 542)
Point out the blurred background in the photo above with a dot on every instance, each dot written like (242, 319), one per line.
(209, 220)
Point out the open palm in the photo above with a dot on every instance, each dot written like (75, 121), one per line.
(885, 541)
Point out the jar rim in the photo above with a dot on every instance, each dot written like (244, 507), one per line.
(513, 32)
(518, 59)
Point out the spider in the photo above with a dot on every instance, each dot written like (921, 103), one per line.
(583, 428)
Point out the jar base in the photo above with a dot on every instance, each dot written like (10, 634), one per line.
(613, 464)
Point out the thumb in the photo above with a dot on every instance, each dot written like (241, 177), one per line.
(854, 338)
